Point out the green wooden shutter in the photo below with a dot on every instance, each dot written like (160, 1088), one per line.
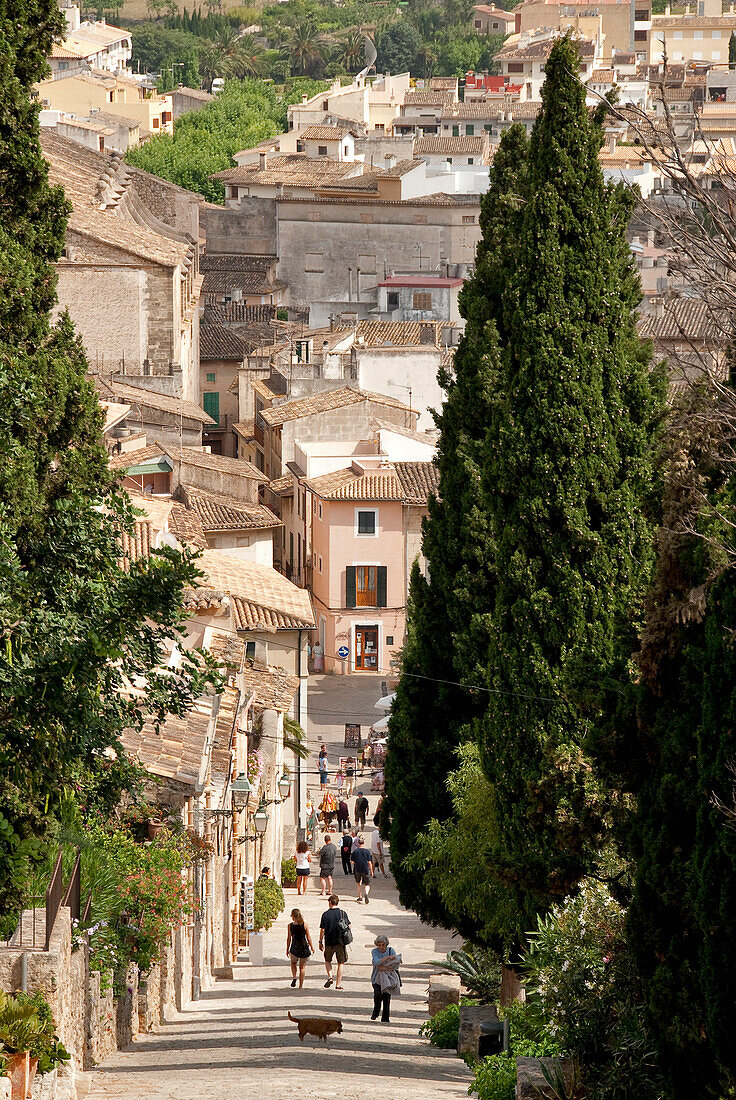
(350, 586)
(381, 586)
(211, 405)
(456, 131)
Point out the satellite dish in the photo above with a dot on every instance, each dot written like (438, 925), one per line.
(370, 53)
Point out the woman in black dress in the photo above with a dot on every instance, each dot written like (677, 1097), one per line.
(299, 946)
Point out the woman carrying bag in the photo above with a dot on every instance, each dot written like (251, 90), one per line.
(385, 978)
(299, 946)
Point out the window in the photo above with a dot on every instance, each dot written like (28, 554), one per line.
(211, 405)
(302, 350)
(478, 24)
(469, 129)
(250, 650)
(470, 161)
(697, 34)
(321, 150)
(677, 34)
(365, 586)
(515, 67)
(641, 15)
(456, 131)
(320, 563)
(421, 300)
(211, 376)
(314, 261)
(366, 522)
(392, 300)
(716, 34)
(677, 57)
(325, 105)
(640, 36)
(697, 55)
(155, 124)
(715, 55)
(389, 639)
(291, 549)
(468, 219)
(345, 149)
(319, 511)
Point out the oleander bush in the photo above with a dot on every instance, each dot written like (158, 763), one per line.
(268, 902)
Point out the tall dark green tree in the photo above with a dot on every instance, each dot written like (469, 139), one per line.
(74, 625)
(541, 550)
(567, 473)
(447, 630)
(673, 748)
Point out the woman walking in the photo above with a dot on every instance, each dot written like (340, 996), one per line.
(299, 946)
(303, 859)
(385, 978)
(350, 776)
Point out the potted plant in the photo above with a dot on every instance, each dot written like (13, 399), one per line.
(27, 1040)
(288, 872)
(268, 902)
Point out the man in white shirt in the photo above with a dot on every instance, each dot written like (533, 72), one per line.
(377, 851)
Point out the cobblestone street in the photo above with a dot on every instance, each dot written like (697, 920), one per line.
(238, 1042)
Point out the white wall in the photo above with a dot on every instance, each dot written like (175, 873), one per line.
(259, 548)
(379, 368)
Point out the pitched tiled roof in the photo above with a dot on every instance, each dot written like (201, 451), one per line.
(185, 525)
(250, 282)
(419, 480)
(443, 83)
(282, 486)
(272, 687)
(85, 177)
(682, 319)
(193, 93)
(136, 458)
(138, 395)
(234, 261)
(246, 429)
(488, 109)
(191, 456)
(351, 485)
(218, 513)
(177, 750)
(324, 401)
(138, 544)
(220, 342)
(248, 615)
(428, 97)
(449, 145)
(292, 169)
(263, 596)
(541, 50)
(323, 133)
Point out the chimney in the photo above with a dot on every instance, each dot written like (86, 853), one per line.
(304, 99)
(262, 161)
(611, 144)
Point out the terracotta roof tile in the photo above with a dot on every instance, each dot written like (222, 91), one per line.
(135, 458)
(191, 456)
(138, 395)
(248, 615)
(324, 133)
(185, 525)
(682, 319)
(263, 595)
(218, 513)
(450, 145)
(419, 481)
(220, 342)
(324, 401)
(282, 486)
(292, 169)
(250, 282)
(428, 97)
(273, 688)
(352, 485)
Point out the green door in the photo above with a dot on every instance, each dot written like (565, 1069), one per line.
(212, 405)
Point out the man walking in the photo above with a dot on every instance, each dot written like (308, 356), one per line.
(322, 766)
(377, 849)
(330, 940)
(361, 811)
(327, 857)
(363, 869)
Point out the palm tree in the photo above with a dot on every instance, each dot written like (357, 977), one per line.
(350, 52)
(304, 47)
(247, 58)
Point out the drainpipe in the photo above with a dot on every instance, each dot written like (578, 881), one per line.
(299, 815)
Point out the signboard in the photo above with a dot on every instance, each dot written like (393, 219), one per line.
(246, 903)
(343, 653)
(352, 736)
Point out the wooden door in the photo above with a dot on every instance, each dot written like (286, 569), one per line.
(366, 649)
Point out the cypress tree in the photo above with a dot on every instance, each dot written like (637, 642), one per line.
(431, 713)
(74, 625)
(567, 471)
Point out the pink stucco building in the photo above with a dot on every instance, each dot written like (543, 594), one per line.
(366, 533)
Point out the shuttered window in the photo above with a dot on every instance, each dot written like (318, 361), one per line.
(365, 586)
(211, 403)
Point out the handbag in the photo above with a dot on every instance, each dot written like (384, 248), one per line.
(343, 930)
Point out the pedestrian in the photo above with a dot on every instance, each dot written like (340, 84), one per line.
(356, 841)
(385, 978)
(265, 873)
(343, 815)
(363, 870)
(327, 857)
(366, 757)
(311, 820)
(377, 851)
(346, 849)
(339, 779)
(303, 859)
(349, 777)
(322, 765)
(328, 809)
(299, 946)
(331, 939)
(361, 810)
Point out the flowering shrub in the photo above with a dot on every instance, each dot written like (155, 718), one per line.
(587, 986)
(255, 767)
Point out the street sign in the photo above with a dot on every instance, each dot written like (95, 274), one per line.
(343, 653)
(352, 736)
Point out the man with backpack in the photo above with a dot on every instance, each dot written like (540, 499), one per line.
(361, 811)
(334, 937)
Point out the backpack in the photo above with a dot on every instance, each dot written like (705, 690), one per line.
(344, 935)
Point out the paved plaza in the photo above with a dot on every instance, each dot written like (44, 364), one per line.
(237, 1042)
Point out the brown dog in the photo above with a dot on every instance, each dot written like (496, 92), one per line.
(320, 1026)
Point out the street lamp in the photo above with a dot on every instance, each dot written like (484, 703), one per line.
(260, 818)
(241, 789)
(284, 785)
